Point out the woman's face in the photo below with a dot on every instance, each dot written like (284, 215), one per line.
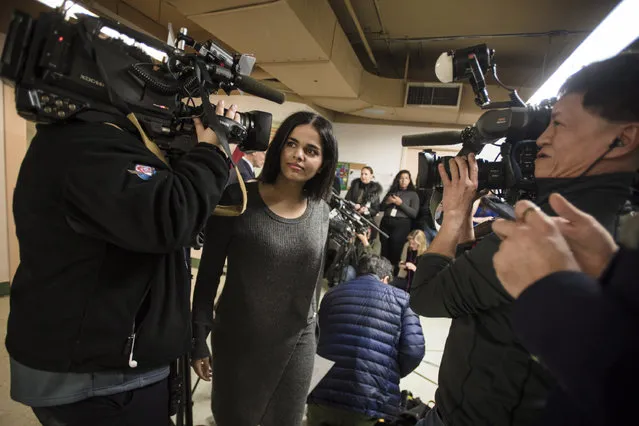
(412, 243)
(366, 176)
(301, 157)
(404, 180)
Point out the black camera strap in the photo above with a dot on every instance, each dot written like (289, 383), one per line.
(204, 77)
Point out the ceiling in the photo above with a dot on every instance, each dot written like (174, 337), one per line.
(531, 38)
(313, 50)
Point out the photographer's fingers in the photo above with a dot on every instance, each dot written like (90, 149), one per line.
(230, 113)
(504, 228)
(473, 169)
(219, 108)
(565, 209)
(199, 127)
(530, 214)
(443, 175)
(237, 117)
(454, 170)
(462, 166)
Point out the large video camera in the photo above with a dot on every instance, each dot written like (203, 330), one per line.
(84, 70)
(344, 225)
(520, 124)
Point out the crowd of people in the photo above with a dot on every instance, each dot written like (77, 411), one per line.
(544, 309)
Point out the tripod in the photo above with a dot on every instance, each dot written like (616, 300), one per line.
(184, 414)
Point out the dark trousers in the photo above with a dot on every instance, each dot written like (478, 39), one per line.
(147, 406)
(397, 229)
(320, 415)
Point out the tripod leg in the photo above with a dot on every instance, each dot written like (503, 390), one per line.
(188, 400)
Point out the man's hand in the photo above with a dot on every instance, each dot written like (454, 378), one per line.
(457, 203)
(592, 246)
(461, 188)
(202, 368)
(208, 135)
(532, 248)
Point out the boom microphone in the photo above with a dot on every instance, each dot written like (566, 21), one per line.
(254, 87)
(450, 137)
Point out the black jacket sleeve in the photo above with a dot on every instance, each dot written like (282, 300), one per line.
(350, 194)
(445, 288)
(218, 235)
(375, 201)
(106, 196)
(586, 334)
(411, 205)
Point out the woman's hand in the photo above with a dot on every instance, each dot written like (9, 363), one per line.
(411, 266)
(397, 200)
(202, 368)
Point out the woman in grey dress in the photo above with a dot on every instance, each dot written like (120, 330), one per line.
(263, 334)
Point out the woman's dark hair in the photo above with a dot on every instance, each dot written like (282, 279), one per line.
(395, 186)
(320, 185)
(369, 168)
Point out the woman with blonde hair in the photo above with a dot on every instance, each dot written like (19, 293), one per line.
(415, 246)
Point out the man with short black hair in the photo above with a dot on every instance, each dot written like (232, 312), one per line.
(374, 338)
(588, 154)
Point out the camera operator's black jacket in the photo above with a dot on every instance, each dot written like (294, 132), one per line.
(487, 376)
(102, 225)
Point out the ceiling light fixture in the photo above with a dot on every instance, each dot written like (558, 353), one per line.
(616, 32)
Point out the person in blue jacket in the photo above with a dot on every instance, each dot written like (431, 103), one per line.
(374, 338)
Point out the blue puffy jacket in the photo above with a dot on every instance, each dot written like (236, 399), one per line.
(367, 328)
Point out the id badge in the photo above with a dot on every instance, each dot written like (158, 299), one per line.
(393, 212)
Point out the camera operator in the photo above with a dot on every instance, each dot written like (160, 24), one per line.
(362, 247)
(588, 153)
(585, 331)
(100, 301)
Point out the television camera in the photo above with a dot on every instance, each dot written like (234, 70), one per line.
(513, 177)
(86, 70)
(344, 225)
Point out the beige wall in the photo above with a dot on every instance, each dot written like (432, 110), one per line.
(379, 146)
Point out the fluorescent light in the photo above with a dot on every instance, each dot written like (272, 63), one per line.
(74, 9)
(618, 30)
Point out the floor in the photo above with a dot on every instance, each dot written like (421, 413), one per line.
(422, 382)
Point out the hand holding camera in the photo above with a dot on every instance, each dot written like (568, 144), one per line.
(460, 188)
(207, 135)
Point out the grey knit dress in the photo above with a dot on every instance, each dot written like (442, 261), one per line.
(263, 334)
